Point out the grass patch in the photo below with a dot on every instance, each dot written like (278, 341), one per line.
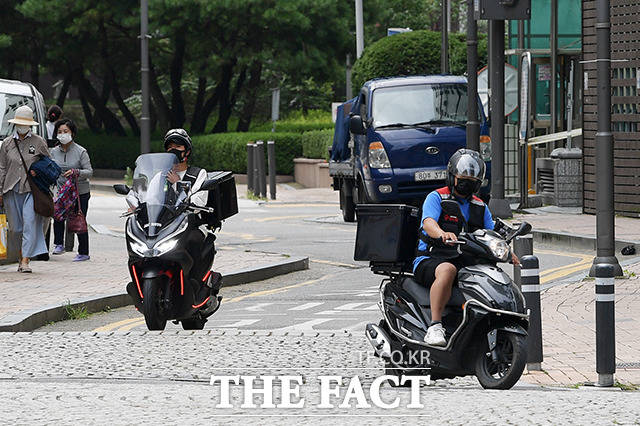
(626, 387)
(252, 196)
(74, 313)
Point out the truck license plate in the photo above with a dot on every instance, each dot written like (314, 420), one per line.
(430, 175)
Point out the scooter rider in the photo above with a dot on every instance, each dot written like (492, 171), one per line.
(437, 262)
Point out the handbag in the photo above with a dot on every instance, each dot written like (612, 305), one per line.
(76, 221)
(42, 201)
(3, 235)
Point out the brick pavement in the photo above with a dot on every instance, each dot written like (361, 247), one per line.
(59, 280)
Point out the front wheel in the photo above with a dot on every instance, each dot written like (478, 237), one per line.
(504, 372)
(346, 202)
(193, 323)
(151, 304)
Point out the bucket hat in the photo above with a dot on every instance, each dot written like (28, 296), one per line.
(23, 117)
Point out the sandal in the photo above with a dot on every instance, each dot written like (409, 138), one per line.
(24, 268)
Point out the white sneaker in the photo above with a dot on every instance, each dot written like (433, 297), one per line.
(435, 336)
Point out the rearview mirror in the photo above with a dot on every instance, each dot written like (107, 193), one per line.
(121, 189)
(356, 126)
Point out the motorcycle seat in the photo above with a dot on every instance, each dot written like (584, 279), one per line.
(421, 295)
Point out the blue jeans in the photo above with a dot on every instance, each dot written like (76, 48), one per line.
(22, 218)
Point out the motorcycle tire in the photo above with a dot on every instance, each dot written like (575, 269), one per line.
(506, 372)
(193, 323)
(151, 304)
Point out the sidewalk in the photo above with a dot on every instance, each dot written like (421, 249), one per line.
(32, 300)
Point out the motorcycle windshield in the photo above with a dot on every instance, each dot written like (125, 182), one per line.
(156, 196)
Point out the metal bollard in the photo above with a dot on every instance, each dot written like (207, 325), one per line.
(250, 167)
(256, 174)
(262, 172)
(605, 324)
(530, 276)
(522, 246)
(271, 151)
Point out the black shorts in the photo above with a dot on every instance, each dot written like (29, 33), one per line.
(425, 273)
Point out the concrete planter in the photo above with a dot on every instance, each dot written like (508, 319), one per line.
(312, 173)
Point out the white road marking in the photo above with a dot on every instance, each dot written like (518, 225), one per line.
(355, 307)
(258, 307)
(307, 325)
(241, 323)
(306, 306)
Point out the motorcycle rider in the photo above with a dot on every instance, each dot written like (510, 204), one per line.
(437, 262)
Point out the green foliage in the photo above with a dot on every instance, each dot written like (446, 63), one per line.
(298, 122)
(228, 151)
(413, 53)
(75, 312)
(316, 143)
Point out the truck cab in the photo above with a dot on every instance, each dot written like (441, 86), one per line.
(14, 94)
(401, 133)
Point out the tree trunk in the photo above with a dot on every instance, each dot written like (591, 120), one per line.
(202, 90)
(177, 65)
(255, 73)
(64, 90)
(162, 108)
(88, 115)
(200, 121)
(226, 100)
(111, 123)
(35, 71)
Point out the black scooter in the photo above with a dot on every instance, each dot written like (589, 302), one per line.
(485, 320)
(171, 247)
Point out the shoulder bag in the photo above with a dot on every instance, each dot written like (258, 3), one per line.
(42, 201)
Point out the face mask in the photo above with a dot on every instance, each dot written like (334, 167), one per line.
(64, 138)
(465, 187)
(23, 130)
(177, 153)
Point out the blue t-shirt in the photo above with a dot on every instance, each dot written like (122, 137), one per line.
(432, 208)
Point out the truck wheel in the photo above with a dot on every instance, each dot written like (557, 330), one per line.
(346, 202)
(360, 194)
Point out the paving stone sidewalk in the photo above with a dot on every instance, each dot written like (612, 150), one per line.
(61, 280)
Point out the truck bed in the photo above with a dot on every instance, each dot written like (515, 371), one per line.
(340, 169)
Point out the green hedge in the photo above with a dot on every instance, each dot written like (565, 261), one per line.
(220, 151)
(228, 151)
(316, 143)
(412, 53)
(298, 122)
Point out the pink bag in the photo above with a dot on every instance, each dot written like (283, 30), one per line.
(76, 221)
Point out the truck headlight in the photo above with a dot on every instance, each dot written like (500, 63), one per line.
(378, 158)
(485, 148)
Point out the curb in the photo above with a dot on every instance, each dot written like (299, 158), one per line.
(30, 319)
(576, 241)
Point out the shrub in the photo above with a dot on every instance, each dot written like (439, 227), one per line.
(412, 53)
(299, 123)
(228, 151)
(109, 152)
(316, 143)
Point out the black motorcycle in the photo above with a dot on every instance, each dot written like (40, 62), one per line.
(170, 242)
(485, 320)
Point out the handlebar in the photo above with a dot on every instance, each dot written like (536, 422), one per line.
(455, 242)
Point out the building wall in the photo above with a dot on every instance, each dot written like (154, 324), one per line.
(625, 87)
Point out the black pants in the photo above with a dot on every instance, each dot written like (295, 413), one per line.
(83, 239)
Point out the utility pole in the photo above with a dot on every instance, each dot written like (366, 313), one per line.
(145, 120)
(473, 124)
(359, 29)
(553, 38)
(348, 78)
(605, 266)
(444, 48)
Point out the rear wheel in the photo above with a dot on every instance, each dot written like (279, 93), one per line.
(346, 201)
(193, 323)
(151, 304)
(504, 372)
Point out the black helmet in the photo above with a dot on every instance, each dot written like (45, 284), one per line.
(465, 163)
(179, 136)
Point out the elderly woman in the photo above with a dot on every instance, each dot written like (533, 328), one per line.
(15, 192)
(74, 162)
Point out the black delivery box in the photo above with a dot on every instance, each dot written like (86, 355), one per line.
(386, 233)
(222, 198)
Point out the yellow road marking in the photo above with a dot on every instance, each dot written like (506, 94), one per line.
(128, 324)
(269, 219)
(284, 206)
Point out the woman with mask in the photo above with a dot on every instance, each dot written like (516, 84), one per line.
(74, 162)
(15, 191)
(54, 113)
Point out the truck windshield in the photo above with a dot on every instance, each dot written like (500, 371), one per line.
(8, 105)
(420, 105)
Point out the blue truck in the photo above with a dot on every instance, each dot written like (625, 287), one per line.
(393, 141)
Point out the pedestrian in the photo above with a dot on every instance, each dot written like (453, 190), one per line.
(54, 113)
(15, 191)
(74, 161)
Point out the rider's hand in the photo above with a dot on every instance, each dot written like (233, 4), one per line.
(514, 259)
(172, 177)
(448, 236)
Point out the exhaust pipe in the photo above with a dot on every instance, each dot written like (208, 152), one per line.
(379, 340)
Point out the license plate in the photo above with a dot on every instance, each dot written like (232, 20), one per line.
(430, 175)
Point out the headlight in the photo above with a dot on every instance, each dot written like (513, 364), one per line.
(138, 248)
(499, 248)
(485, 147)
(165, 246)
(378, 158)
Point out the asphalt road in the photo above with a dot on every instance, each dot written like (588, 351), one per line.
(336, 293)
